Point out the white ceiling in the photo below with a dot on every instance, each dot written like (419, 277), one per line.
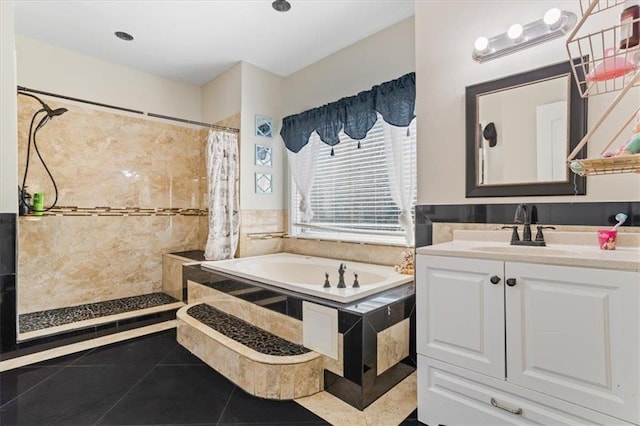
(194, 41)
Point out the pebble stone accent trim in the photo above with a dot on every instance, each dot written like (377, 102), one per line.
(243, 332)
(56, 317)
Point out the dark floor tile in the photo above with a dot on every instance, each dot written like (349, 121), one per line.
(74, 396)
(145, 351)
(243, 408)
(411, 422)
(62, 361)
(16, 382)
(176, 394)
(181, 356)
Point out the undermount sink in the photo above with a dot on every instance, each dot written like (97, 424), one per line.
(538, 251)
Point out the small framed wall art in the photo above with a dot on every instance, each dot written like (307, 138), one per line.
(264, 183)
(264, 126)
(263, 156)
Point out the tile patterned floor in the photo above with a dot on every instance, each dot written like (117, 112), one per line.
(148, 380)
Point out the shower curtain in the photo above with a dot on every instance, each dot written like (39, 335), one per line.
(223, 175)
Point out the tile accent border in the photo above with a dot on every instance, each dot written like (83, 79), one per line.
(594, 214)
(121, 211)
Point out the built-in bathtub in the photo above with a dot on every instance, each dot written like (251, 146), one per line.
(306, 274)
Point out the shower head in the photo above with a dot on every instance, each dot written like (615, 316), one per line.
(55, 112)
(51, 113)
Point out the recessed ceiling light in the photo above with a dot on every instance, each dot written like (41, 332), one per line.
(123, 36)
(281, 5)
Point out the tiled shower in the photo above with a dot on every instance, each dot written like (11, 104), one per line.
(130, 189)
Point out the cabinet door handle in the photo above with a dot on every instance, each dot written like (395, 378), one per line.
(495, 403)
(494, 279)
(511, 282)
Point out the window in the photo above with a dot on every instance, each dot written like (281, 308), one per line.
(350, 197)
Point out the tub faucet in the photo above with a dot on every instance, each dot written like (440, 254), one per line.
(341, 270)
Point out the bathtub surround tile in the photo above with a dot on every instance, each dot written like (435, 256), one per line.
(232, 303)
(256, 373)
(392, 345)
(172, 275)
(357, 252)
(353, 377)
(261, 222)
(596, 214)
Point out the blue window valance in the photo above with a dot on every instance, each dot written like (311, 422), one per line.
(394, 100)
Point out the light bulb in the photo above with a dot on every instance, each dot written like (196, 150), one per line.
(481, 44)
(515, 32)
(552, 17)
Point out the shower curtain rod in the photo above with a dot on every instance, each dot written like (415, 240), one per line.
(148, 114)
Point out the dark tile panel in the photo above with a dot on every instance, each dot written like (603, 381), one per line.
(588, 214)
(8, 235)
(8, 314)
(392, 314)
(343, 388)
(375, 386)
(346, 321)
(353, 345)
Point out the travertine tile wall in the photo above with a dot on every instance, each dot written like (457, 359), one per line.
(101, 158)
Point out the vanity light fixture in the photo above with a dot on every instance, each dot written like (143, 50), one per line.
(555, 23)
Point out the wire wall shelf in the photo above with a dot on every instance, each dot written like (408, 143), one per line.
(604, 64)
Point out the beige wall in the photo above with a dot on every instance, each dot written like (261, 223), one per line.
(92, 255)
(380, 57)
(444, 68)
(222, 97)
(53, 69)
(8, 150)
(261, 94)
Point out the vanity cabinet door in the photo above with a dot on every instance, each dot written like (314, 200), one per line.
(573, 333)
(460, 312)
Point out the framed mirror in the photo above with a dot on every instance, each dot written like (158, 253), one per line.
(520, 130)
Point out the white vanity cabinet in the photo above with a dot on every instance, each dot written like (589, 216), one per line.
(503, 342)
